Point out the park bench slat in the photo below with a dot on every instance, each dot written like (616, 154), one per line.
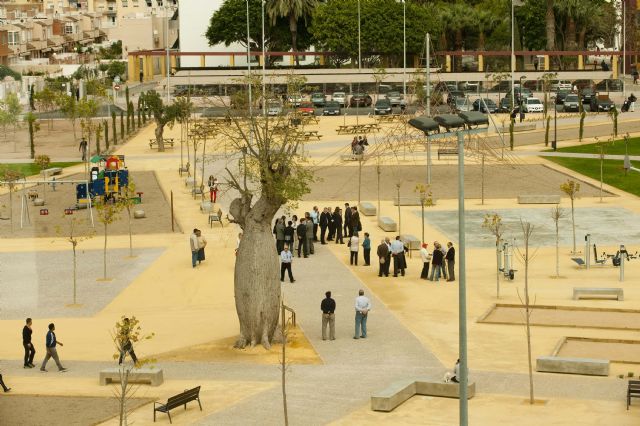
(176, 401)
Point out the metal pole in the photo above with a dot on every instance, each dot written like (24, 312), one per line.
(249, 71)
(587, 251)
(166, 42)
(428, 160)
(513, 57)
(624, 45)
(264, 67)
(622, 256)
(404, 47)
(462, 296)
(428, 75)
(359, 46)
(172, 219)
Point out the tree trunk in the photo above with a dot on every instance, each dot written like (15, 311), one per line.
(293, 27)
(256, 277)
(159, 132)
(32, 145)
(75, 274)
(571, 33)
(481, 42)
(497, 270)
(557, 249)
(528, 311)
(550, 26)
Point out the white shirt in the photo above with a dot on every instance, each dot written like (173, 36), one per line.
(314, 216)
(363, 303)
(285, 256)
(397, 247)
(425, 255)
(354, 244)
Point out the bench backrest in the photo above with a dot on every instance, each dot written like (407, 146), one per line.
(183, 398)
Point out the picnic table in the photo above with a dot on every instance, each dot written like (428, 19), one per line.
(153, 142)
(358, 128)
(308, 134)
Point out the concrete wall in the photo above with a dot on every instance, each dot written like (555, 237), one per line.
(136, 34)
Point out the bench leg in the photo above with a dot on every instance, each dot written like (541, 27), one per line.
(169, 414)
(199, 404)
(154, 414)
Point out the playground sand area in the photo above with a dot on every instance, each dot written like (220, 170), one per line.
(615, 350)
(20, 410)
(56, 224)
(339, 183)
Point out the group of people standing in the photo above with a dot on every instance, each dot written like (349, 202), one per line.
(358, 143)
(442, 262)
(328, 308)
(388, 250)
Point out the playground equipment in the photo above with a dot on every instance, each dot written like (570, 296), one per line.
(506, 265)
(106, 180)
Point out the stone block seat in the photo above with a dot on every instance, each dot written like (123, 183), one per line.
(410, 241)
(580, 292)
(367, 208)
(538, 199)
(153, 376)
(387, 224)
(389, 398)
(585, 366)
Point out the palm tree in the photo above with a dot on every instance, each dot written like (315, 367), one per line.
(294, 10)
(551, 26)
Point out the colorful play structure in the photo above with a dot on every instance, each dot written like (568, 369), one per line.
(106, 180)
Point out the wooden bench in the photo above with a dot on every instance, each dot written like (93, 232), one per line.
(585, 366)
(399, 392)
(52, 171)
(215, 217)
(367, 208)
(410, 241)
(447, 151)
(176, 401)
(312, 134)
(387, 224)
(616, 292)
(153, 376)
(633, 391)
(538, 199)
(154, 142)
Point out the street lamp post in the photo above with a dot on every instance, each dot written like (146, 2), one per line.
(522, 77)
(264, 67)
(513, 55)
(359, 46)
(166, 42)
(249, 67)
(404, 47)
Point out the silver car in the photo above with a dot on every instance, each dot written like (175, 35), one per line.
(339, 97)
(394, 98)
(274, 108)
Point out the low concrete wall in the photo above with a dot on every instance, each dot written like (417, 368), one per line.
(585, 366)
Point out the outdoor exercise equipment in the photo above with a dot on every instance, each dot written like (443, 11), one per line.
(506, 265)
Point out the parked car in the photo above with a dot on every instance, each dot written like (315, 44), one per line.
(532, 105)
(601, 103)
(274, 107)
(451, 99)
(561, 85)
(485, 105)
(560, 96)
(306, 108)
(332, 108)
(294, 100)
(505, 105)
(318, 99)
(572, 103)
(382, 107)
(339, 97)
(394, 98)
(586, 94)
(361, 100)
(462, 105)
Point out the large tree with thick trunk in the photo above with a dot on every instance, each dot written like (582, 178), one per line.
(268, 173)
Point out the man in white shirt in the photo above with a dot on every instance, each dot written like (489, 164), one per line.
(285, 263)
(193, 242)
(397, 251)
(363, 306)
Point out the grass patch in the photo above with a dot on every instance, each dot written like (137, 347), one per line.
(30, 169)
(617, 148)
(613, 172)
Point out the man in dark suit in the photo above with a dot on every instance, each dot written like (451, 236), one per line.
(29, 350)
(332, 225)
(337, 223)
(301, 230)
(347, 220)
(355, 221)
(450, 257)
(382, 252)
(324, 223)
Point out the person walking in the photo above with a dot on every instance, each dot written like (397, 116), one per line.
(426, 258)
(285, 263)
(301, 230)
(315, 217)
(278, 229)
(382, 252)
(366, 249)
(363, 306)
(308, 222)
(354, 246)
(450, 257)
(337, 221)
(29, 350)
(347, 231)
(51, 342)
(193, 242)
(4, 387)
(436, 262)
(324, 224)
(124, 340)
(397, 251)
(202, 243)
(83, 148)
(328, 308)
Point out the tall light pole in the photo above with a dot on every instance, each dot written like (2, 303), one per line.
(404, 47)
(624, 45)
(166, 42)
(513, 55)
(249, 68)
(359, 46)
(264, 67)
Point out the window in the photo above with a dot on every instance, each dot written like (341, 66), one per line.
(14, 38)
(68, 28)
(125, 3)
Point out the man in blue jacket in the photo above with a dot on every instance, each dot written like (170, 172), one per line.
(51, 343)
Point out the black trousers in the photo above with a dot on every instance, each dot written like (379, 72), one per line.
(4, 387)
(128, 348)
(315, 232)
(353, 258)
(398, 264)
(332, 232)
(286, 267)
(303, 244)
(279, 246)
(387, 264)
(382, 270)
(367, 257)
(425, 270)
(323, 231)
(29, 353)
(339, 239)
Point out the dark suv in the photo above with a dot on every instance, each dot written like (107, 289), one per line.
(360, 99)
